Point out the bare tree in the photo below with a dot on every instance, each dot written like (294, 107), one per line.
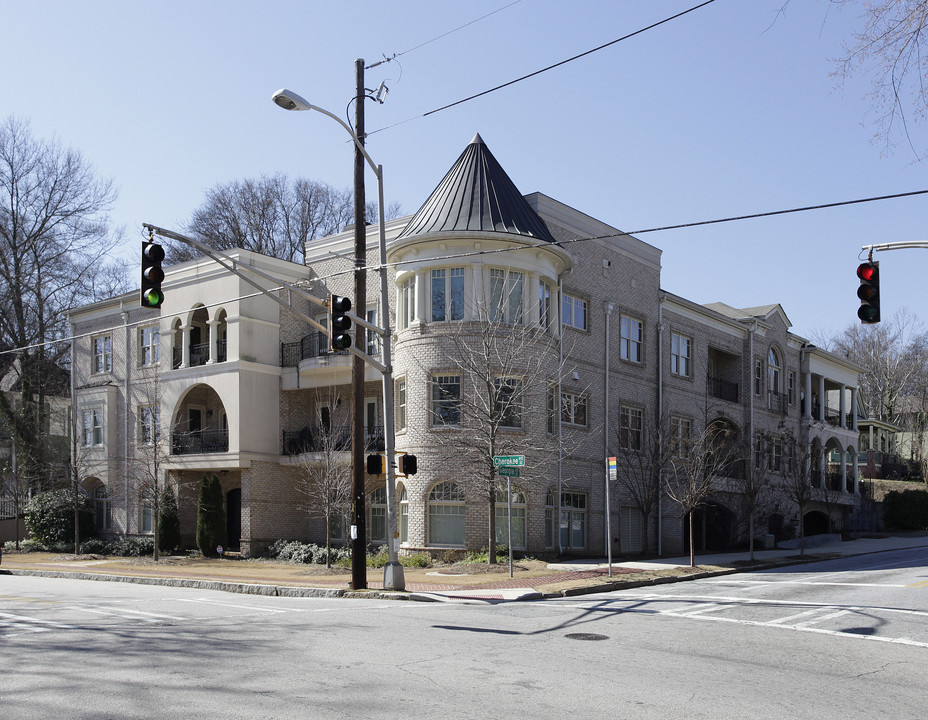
(269, 215)
(325, 476)
(506, 371)
(797, 487)
(754, 482)
(640, 471)
(54, 239)
(695, 472)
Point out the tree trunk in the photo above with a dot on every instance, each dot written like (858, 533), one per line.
(692, 542)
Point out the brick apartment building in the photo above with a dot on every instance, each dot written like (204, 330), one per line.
(224, 380)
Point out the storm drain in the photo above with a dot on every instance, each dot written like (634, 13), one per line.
(586, 636)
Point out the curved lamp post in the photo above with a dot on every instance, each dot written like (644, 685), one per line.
(393, 572)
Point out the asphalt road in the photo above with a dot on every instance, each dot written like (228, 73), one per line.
(843, 639)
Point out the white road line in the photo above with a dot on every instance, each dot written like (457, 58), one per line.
(50, 623)
(125, 613)
(769, 583)
(207, 601)
(688, 612)
(789, 618)
(821, 618)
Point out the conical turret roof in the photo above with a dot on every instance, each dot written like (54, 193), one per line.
(477, 196)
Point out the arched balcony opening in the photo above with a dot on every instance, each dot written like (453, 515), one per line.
(200, 423)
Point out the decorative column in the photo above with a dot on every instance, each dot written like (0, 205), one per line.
(213, 341)
(842, 407)
(854, 409)
(185, 346)
(807, 389)
(420, 297)
(855, 468)
(821, 398)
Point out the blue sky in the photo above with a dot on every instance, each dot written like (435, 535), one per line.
(729, 110)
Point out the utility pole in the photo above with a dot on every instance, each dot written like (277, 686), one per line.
(358, 512)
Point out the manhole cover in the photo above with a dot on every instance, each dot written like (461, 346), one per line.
(586, 636)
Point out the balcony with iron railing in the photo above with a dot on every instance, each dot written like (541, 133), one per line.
(313, 345)
(199, 354)
(200, 441)
(723, 389)
(778, 402)
(336, 438)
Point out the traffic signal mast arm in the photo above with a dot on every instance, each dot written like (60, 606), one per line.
(896, 246)
(230, 265)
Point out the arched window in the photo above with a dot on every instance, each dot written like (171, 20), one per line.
(774, 372)
(404, 515)
(446, 513)
(378, 510)
(103, 509)
(518, 518)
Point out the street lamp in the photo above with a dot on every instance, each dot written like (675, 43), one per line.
(393, 578)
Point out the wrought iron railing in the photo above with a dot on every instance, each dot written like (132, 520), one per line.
(336, 438)
(778, 402)
(315, 344)
(723, 389)
(200, 441)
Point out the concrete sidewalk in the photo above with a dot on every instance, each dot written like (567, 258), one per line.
(556, 580)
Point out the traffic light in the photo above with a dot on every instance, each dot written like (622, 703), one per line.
(869, 292)
(376, 465)
(408, 465)
(339, 323)
(151, 295)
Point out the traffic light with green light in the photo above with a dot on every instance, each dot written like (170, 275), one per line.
(151, 295)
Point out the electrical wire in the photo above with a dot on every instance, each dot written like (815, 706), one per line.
(545, 69)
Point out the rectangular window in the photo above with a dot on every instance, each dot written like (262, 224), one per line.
(150, 345)
(508, 401)
(372, 339)
(447, 294)
(758, 376)
(681, 355)
(775, 455)
(573, 409)
(791, 387)
(545, 316)
(573, 311)
(630, 427)
(681, 433)
(102, 354)
(506, 296)
(630, 346)
(92, 421)
(573, 521)
(446, 400)
(149, 424)
(400, 404)
(409, 302)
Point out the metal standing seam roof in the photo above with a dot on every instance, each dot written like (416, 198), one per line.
(476, 195)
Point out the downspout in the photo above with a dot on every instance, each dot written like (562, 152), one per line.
(751, 363)
(557, 406)
(125, 461)
(660, 423)
(608, 524)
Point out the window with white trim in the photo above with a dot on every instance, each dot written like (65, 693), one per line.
(631, 423)
(506, 296)
(446, 514)
(681, 355)
(518, 518)
(681, 430)
(573, 311)
(791, 387)
(573, 521)
(150, 345)
(545, 311)
(573, 409)
(631, 338)
(447, 294)
(103, 509)
(92, 422)
(758, 376)
(102, 354)
(446, 400)
(378, 514)
(507, 398)
(371, 339)
(149, 424)
(400, 395)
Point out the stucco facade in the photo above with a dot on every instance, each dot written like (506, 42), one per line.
(247, 389)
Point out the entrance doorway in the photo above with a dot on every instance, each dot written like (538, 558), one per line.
(234, 519)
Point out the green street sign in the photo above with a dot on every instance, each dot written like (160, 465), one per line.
(508, 461)
(507, 471)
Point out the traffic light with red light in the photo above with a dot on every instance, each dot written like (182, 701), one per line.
(151, 295)
(869, 292)
(339, 322)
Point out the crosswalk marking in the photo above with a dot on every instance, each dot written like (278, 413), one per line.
(233, 605)
(125, 613)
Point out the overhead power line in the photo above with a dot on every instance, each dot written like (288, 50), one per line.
(546, 69)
